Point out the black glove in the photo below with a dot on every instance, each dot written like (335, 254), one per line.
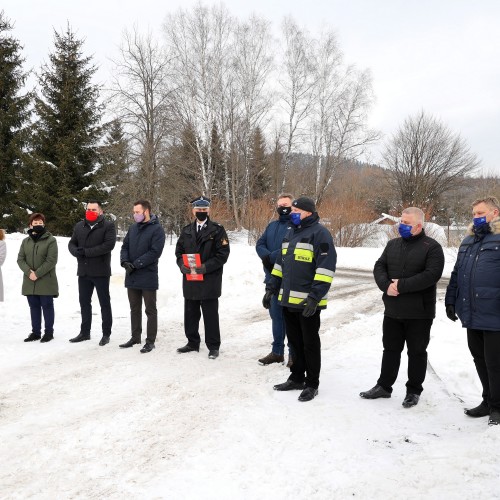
(266, 300)
(129, 267)
(450, 312)
(266, 262)
(311, 306)
(185, 269)
(201, 270)
(80, 252)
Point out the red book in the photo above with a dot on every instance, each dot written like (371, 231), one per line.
(192, 260)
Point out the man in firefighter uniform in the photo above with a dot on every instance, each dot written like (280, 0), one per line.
(302, 276)
(209, 240)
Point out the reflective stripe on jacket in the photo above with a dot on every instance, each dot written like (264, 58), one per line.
(306, 265)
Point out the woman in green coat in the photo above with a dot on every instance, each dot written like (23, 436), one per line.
(37, 259)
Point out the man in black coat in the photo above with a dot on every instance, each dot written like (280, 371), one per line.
(407, 273)
(141, 250)
(92, 242)
(210, 241)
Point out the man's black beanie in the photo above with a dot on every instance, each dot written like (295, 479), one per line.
(305, 203)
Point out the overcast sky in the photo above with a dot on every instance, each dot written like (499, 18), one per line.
(442, 56)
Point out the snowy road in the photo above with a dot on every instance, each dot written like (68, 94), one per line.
(83, 421)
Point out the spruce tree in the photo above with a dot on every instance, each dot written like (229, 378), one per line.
(66, 136)
(14, 114)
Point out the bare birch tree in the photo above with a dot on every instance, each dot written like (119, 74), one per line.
(342, 98)
(426, 159)
(140, 92)
(297, 80)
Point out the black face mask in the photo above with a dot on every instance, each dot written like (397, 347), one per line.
(38, 229)
(283, 210)
(201, 216)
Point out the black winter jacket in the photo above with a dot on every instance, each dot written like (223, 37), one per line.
(143, 246)
(417, 262)
(306, 265)
(474, 287)
(213, 247)
(97, 243)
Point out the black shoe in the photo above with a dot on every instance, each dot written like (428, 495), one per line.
(148, 347)
(483, 410)
(80, 338)
(308, 393)
(494, 417)
(213, 353)
(375, 392)
(290, 385)
(47, 337)
(187, 348)
(104, 340)
(410, 400)
(33, 336)
(130, 343)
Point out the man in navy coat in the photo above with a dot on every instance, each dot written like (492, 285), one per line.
(141, 250)
(268, 247)
(474, 295)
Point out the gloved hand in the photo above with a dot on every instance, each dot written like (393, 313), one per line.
(266, 262)
(201, 270)
(129, 267)
(185, 269)
(311, 306)
(266, 300)
(80, 252)
(450, 312)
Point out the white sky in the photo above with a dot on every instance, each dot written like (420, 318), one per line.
(441, 56)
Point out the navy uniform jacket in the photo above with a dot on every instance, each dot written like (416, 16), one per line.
(213, 246)
(474, 287)
(306, 265)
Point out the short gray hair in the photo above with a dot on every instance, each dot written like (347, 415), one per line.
(490, 201)
(419, 214)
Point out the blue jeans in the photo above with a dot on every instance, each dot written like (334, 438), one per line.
(279, 333)
(39, 303)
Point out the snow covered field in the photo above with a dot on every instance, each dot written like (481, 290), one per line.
(83, 421)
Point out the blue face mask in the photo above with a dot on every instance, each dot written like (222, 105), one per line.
(479, 221)
(405, 230)
(295, 217)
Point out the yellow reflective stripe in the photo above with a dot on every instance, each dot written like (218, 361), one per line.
(293, 300)
(277, 272)
(322, 277)
(280, 296)
(283, 251)
(303, 255)
(322, 302)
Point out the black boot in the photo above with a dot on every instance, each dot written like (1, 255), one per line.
(47, 337)
(130, 343)
(104, 340)
(308, 393)
(289, 385)
(188, 348)
(147, 347)
(483, 410)
(81, 337)
(494, 417)
(410, 400)
(375, 392)
(32, 337)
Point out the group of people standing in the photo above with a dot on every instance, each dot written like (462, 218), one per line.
(299, 260)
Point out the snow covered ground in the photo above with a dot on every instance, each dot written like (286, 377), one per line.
(83, 421)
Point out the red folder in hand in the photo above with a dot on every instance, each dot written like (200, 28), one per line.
(192, 260)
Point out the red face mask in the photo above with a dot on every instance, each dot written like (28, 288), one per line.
(91, 216)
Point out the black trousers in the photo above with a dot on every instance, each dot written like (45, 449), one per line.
(135, 298)
(416, 333)
(303, 336)
(484, 345)
(192, 315)
(86, 285)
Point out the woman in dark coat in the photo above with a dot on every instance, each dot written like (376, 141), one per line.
(37, 259)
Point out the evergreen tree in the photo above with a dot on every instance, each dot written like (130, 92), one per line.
(14, 113)
(65, 150)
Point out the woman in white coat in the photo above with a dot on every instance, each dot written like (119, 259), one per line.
(3, 253)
